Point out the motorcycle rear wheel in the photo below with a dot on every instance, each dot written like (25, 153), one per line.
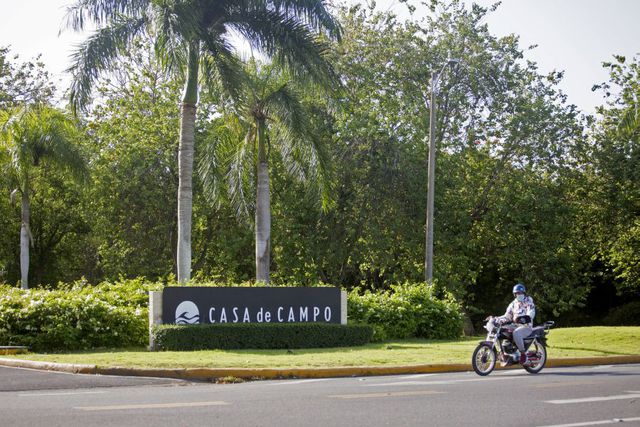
(484, 359)
(541, 354)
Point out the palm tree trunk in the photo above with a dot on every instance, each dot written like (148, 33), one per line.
(185, 164)
(25, 239)
(263, 210)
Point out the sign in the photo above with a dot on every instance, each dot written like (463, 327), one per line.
(193, 305)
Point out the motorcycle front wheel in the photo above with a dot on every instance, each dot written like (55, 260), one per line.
(484, 359)
(539, 353)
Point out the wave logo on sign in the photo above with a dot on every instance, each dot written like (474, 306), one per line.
(187, 313)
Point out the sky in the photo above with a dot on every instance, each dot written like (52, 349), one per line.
(572, 35)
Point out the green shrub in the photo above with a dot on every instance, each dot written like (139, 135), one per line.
(114, 314)
(625, 315)
(76, 316)
(407, 311)
(259, 336)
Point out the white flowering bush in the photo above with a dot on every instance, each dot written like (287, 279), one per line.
(76, 316)
(410, 310)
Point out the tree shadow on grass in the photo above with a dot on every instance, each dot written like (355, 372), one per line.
(597, 350)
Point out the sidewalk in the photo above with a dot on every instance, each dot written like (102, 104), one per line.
(209, 374)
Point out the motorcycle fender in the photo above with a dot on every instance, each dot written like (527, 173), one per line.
(489, 343)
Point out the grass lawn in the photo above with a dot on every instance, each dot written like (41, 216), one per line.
(563, 343)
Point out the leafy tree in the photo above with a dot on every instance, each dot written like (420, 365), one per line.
(131, 203)
(503, 128)
(35, 136)
(23, 82)
(272, 117)
(611, 165)
(192, 37)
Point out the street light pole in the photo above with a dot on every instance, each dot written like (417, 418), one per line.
(431, 171)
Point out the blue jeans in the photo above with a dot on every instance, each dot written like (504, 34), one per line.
(520, 334)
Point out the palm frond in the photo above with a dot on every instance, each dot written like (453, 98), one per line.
(313, 12)
(39, 132)
(308, 160)
(6, 148)
(222, 71)
(13, 135)
(290, 43)
(101, 11)
(226, 162)
(285, 104)
(210, 168)
(304, 152)
(175, 25)
(241, 173)
(96, 54)
(58, 141)
(169, 46)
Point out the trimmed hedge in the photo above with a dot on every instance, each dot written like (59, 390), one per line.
(411, 310)
(76, 316)
(229, 336)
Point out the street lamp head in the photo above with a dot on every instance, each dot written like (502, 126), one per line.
(436, 76)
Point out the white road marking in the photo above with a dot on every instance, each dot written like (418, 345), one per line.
(152, 406)
(595, 423)
(511, 373)
(441, 382)
(388, 394)
(296, 382)
(595, 399)
(564, 384)
(408, 377)
(70, 393)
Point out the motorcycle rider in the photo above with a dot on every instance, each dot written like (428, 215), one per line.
(522, 305)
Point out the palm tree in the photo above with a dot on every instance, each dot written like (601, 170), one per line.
(32, 136)
(192, 38)
(271, 117)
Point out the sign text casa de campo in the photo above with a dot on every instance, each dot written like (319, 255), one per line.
(193, 305)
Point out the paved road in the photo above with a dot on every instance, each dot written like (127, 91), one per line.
(580, 396)
(16, 379)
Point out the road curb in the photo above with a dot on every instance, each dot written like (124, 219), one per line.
(209, 374)
(49, 366)
(6, 350)
(590, 361)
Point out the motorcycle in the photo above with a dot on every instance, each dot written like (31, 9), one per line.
(499, 346)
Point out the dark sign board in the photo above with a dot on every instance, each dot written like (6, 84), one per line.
(190, 305)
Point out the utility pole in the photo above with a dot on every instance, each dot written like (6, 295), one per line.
(431, 171)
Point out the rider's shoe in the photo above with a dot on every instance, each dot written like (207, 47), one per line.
(523, 358)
